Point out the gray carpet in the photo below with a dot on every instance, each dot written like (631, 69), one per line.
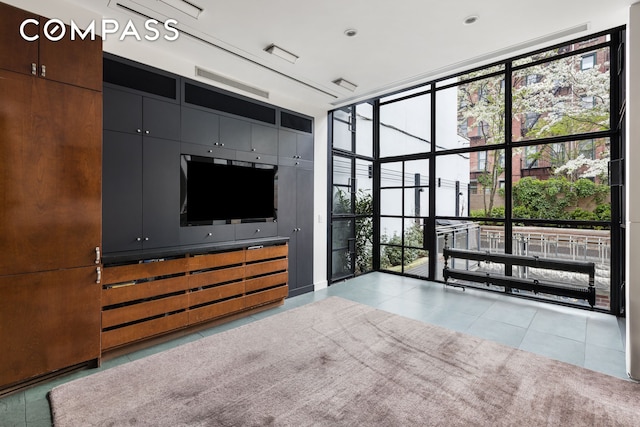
(336, 362)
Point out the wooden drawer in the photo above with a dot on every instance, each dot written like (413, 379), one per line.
(264, 297)
(133, 292)
(266, 282)
(143, 310)
(266, 267)
(203, 262)
(266, 253)
(216, 293)
(216, 276)
(131, 272)
(143, 330)
(212, 311)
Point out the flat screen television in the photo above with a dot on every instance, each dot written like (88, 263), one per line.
(220, 191)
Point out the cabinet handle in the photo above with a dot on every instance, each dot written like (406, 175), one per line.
(43, 70)
(222, 144)
(146, 239)
(34, 69)
(97, 254)
(147, 132)
(297, 163)
(258, 158)
(253, 149)
(258, 230)
(209, 151)
(138, 239)
(139, 130)
(98, 274)
(209, 234)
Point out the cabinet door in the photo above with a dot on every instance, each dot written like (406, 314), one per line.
(122, 111)
(77, 62)
(287, 144)
(50, 320)
(305, 146)
(160, 119)
(51, 174)
(235, 134)
(287, 216)
(160, 193)
(122, 192)
(16, 54)
(264, 140)
(200, 127)
(304, 220)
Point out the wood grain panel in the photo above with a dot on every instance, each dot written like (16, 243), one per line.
(212, 311)
(48, 321)
(271, 295)
(144, 290)
(77, 62)
(266, 281)
(128, 334)
(267, 253)
(51, 213)
(127, 273)
(266, 267)
(216, 293)
(17, 54)
(143, 310)
(216, 276)
(201, 262)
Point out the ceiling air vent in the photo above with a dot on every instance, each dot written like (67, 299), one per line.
(201, 72)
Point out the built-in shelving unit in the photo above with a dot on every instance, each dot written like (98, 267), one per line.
(151, 297)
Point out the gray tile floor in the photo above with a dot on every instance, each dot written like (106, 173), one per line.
(584, 338)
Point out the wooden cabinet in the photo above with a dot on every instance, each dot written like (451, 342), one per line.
(48, 321)
(143, 300)
(77, 62)
(51, 198)
(50, 163)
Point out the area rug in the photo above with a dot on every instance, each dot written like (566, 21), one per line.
(339, 363)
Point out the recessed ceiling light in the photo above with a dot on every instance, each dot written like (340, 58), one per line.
(471, 19)
(351, 32)
(345, 84)
(281, 53)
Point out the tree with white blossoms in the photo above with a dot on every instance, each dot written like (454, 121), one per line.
(582, 167)
(556, 98)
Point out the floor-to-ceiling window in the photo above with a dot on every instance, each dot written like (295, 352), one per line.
(351, 192)
(519, 157)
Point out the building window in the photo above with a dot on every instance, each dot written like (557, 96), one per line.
(463, 129)
(532, 79)
(588, 61)
(473, 187)
(482, 160)
(530, 156)
(588, 102)
(587, 149)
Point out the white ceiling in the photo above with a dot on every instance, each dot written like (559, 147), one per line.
(399, 43)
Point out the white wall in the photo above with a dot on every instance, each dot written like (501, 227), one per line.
(632, 181)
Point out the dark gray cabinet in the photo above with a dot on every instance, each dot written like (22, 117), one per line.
(132, 113)
(141, 192)
(295, 220)
(200, 127)
(235, 134)
(295, 149)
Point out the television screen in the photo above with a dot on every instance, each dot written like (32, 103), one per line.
(220, 191)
